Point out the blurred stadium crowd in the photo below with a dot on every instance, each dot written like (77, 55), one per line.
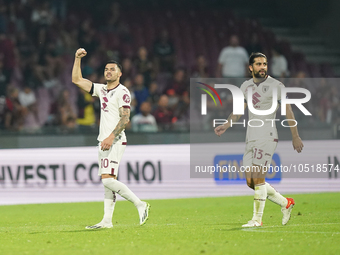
(160, 50)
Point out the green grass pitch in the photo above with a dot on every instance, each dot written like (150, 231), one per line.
(178, 226)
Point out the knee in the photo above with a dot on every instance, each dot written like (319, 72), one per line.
(108, 181)
(259, 181)
(105, 176)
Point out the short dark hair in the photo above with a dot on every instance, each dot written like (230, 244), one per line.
(115, 62)
(256, 55)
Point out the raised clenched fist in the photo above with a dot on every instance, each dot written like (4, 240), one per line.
(81, 52)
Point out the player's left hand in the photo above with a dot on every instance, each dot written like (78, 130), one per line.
(107, 143)
(297, 144)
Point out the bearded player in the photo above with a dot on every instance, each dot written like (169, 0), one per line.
(115, 113)
(261, 141)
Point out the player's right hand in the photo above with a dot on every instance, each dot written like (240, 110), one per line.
(297, 144)
(81, 52)
(220, 130)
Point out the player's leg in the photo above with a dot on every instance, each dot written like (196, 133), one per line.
(109, 205)
(109, 196)
(260, 193)
(256, 180)
(110, 170)
(247, 163)
(286, 204)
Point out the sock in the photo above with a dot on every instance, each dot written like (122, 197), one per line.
(259, 201)
(275, 196)
(109, 205)
(122, 190)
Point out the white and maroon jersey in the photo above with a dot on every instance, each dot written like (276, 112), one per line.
(110, 102)
(262, 99)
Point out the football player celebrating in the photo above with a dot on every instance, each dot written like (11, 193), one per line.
(115, 113)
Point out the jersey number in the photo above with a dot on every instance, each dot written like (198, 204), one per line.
(104, 163)
(258, 152)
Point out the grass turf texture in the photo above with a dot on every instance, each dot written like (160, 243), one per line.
(181, 226)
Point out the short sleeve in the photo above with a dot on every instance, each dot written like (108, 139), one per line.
(124, 99)
(96, 89)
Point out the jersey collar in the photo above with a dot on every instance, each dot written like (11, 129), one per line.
(108, 90)
(257, 84)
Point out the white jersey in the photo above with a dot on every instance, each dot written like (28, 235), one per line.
(110, 102)
(262, 100)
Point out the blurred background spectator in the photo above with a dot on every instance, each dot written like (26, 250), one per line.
(164, 53)
(14, 115)
(200, 69)
(28, 100)
(86, 113)
(233, 60)
(144, 121)
(164, 116)
(140, 91)
(66, 116)
(278, 64)
(144, 65)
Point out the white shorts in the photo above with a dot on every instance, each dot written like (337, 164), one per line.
(109, 160)
(259, 152)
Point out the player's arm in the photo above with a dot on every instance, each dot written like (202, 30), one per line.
(77, 77)
(232, 118)
(297, 142)
(124, 114)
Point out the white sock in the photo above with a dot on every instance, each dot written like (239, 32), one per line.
(109, 205)
(122, 190)
(259, 201)
(275, 196)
